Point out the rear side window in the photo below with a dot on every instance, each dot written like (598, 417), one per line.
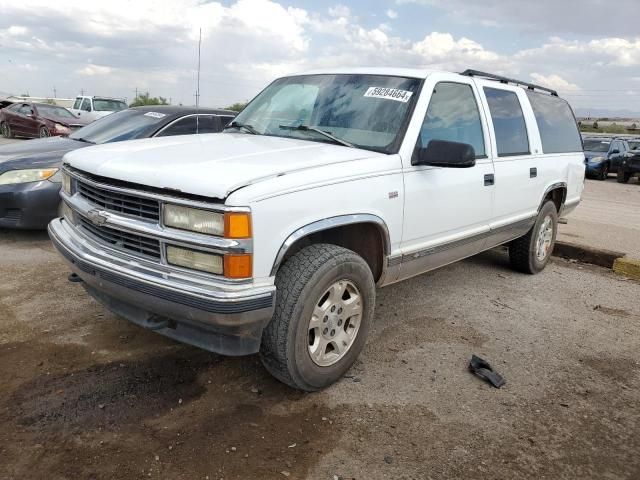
(508, 122)
(557, 125)
(453, 116)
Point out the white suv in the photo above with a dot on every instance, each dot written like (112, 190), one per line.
(272, 236)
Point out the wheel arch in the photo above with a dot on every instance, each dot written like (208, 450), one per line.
(350, 231)
(556, 192)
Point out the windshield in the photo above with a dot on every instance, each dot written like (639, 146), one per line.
(596, 145)
(125, 125)
(101, 105)
(366, 111)
(634, 145)
(49, 110)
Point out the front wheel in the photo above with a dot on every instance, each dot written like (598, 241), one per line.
(44, 132)
(324, 307)
(604, 173)
(531, 252)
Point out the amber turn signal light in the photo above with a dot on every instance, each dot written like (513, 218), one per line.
(237, 225)
(238, 266)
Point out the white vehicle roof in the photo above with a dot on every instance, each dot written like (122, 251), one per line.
(394, 71)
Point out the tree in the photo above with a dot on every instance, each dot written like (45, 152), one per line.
(145, 99)
(595, 125)
(237, 107)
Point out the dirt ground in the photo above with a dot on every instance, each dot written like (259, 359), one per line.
(85, 395)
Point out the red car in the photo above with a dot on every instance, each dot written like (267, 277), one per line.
(36, 120)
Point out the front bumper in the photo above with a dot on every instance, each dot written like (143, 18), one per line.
(219, 317)
(29, 206)
(594, 169)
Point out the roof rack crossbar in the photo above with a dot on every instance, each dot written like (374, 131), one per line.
(501, 79)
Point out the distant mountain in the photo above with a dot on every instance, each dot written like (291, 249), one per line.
(606, 113)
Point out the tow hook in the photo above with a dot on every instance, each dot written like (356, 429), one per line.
(74, 278)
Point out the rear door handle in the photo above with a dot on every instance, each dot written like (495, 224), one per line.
(489, 180)
(533, 172)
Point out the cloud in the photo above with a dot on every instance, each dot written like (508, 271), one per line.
(585, 17)
(91, 70)
(554, 81)
(392, 14)
(17, 31)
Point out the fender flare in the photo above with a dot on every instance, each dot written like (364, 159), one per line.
(552, 187)
(328, 223)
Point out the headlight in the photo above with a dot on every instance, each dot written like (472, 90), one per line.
(596, 159)
(27, 176)
(203, 261)
(229, 225)
(62, 129)
(194, 220)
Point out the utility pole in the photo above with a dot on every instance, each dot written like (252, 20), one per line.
(55, 93)
(82, 92)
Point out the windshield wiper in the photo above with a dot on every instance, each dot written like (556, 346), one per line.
(244, 126)
(307, 128)
(84, 140)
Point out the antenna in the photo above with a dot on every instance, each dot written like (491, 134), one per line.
(198, 84)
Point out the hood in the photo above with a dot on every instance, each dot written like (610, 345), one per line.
(590, 154)
(38, 153)
(212, 165)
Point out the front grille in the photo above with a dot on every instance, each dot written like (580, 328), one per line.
(124, 240)
(120, 202)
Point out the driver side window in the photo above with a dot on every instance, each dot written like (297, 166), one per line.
(453, 115)
(86, 105)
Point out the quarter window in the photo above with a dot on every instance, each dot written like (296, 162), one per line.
(453, 116)
(508, 122)
(556, 123)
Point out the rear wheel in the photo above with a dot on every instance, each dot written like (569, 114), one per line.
(6, 130)
(325, 302)
(622, 176)
(44, 132)
(604, 173)
(531, 252)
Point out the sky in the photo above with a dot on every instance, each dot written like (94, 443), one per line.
(589, 50)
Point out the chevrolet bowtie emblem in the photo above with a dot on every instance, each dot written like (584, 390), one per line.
(97, 217)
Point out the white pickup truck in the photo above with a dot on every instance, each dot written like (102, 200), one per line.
(89, 109)
(272, 236)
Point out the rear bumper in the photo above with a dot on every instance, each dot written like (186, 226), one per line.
(226, 319)
(29, 205)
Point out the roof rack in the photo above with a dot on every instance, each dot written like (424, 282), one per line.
(501, 79)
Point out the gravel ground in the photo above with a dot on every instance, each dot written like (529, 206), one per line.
(86, 395)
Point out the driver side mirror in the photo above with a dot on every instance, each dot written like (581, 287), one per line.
(443, 153)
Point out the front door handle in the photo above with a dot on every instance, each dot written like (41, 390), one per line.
(489, 180)
(533, 172)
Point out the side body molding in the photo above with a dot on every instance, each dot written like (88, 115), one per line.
(328, 223)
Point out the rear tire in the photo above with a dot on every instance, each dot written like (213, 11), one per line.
(6, 130)
(44, 132)
(623, 177)
(531, 252)
(324, 307)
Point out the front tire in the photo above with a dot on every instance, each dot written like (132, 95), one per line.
(531, 252)
(604, 173)
(324, 308)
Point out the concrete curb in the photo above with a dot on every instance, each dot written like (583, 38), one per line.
(582, 253)
(629, 267)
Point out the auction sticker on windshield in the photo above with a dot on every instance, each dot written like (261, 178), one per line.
(389, 93)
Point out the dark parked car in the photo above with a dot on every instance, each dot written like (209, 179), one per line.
(630, 163)
(603, 155)
(29, 176)
(36, 120)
